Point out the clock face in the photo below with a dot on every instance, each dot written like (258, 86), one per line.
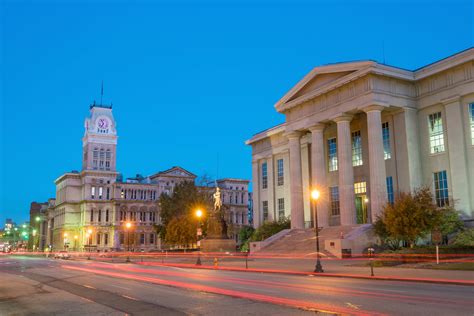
(102, 123)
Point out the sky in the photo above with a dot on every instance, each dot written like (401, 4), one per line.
(189, 81)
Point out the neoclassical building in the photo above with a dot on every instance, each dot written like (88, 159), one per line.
(97, 199)
(361, 132)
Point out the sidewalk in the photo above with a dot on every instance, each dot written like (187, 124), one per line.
(332, 268)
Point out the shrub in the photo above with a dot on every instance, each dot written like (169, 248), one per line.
(465, 238)
(269, 229)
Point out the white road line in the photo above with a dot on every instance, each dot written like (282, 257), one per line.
(129, 297)
(120, 287)
(88, 286)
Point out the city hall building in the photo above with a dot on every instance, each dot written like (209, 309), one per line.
(361, 132)
(93, 205)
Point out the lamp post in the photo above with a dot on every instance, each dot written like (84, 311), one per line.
(127, 228)
(314, 199)
(75, 242)
(88, 237)
(65, 240)
(198, 233)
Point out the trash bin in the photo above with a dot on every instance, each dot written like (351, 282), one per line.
(346, 253)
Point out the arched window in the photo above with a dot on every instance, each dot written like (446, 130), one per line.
(95, 158)
(108, 158)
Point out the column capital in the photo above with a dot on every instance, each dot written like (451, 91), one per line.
(293, 134)
(374, 107)
(453, 99)
(343, 118)
(318, 127)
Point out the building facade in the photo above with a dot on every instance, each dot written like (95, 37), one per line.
(93, 205)
(361, 132)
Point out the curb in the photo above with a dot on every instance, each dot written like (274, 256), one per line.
(333, 275)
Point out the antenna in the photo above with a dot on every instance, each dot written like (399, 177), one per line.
(101, 92)
(217, 168)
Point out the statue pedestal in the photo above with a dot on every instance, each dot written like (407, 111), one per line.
(218, 245)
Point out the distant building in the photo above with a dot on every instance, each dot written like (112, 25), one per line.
(360, 132)
(37, 238)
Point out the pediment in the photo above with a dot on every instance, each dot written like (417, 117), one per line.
(320, 79)
(175, 172)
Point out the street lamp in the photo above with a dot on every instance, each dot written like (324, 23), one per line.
(75, 242)
(198, 233)
(37, 218)
(128, 225)
(88, 237)
(314, 199)
(65, 240)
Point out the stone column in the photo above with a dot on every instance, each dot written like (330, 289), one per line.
(296, 185)
(346, 172)
(271, 190)
(378, 175)
(318, 173)
(256, 190)
(459, 186)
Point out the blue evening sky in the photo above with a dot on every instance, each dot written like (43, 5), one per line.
(189, 81)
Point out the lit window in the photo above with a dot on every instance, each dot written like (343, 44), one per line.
(142, 239)
(386, 141)
(100, 193)
(332, 154)
(264, 176)
(356, 149)
(334, 200)
(435, 125)
(152, 238)
(265, 210)
(100, 216)
(281, 209)
(360, 187)
(92, 192)
(471, 118)
(280, 178)
(390, 196)
(106, 239)
(441, 188)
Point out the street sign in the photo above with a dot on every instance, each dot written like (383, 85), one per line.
(199, 232)
(436, 236)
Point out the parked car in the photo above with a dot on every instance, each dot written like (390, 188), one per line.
(62, 255)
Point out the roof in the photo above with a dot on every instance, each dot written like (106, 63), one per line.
(174, 171)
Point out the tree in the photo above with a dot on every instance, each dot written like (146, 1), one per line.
(465, 238)
(183, 202)
(181, 231)
(413, 216)
(381, 230)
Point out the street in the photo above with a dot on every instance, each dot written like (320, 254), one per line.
(40, 286)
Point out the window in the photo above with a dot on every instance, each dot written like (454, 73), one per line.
(98, 239)
(142, 239)
(122, 238)
(122, 215)
(92, 215)
(332, 154)
(441, 188)
(93, 193)
(471, 119)
(387, 153)
(264, 176)
(95, 158)
(360, 187)
(152, 238)
(100, 193)
(107, 216)
(281, 209)
(108, 156)
(265, 210)
(108, 194)
(334, 201)
(101, 159)
(280, 179)
(356, 149)
(106, 239)
(435, 125)
(390, 196)
(100, 216)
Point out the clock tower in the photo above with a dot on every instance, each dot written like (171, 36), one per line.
(99, 143)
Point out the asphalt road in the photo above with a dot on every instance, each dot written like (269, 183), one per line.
(43, 286)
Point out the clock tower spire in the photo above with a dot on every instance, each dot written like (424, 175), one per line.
(99, 143)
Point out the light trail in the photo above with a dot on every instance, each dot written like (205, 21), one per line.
(239, 294)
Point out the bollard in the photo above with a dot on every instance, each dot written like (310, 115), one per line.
(162, 257)
(216, 263)
(370, 252)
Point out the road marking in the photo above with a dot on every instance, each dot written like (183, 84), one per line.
(120, 287)
(87, 300)
(88, 286)
(129, 297)
(353, 305)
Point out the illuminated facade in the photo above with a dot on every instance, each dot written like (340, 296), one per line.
(361, 132)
